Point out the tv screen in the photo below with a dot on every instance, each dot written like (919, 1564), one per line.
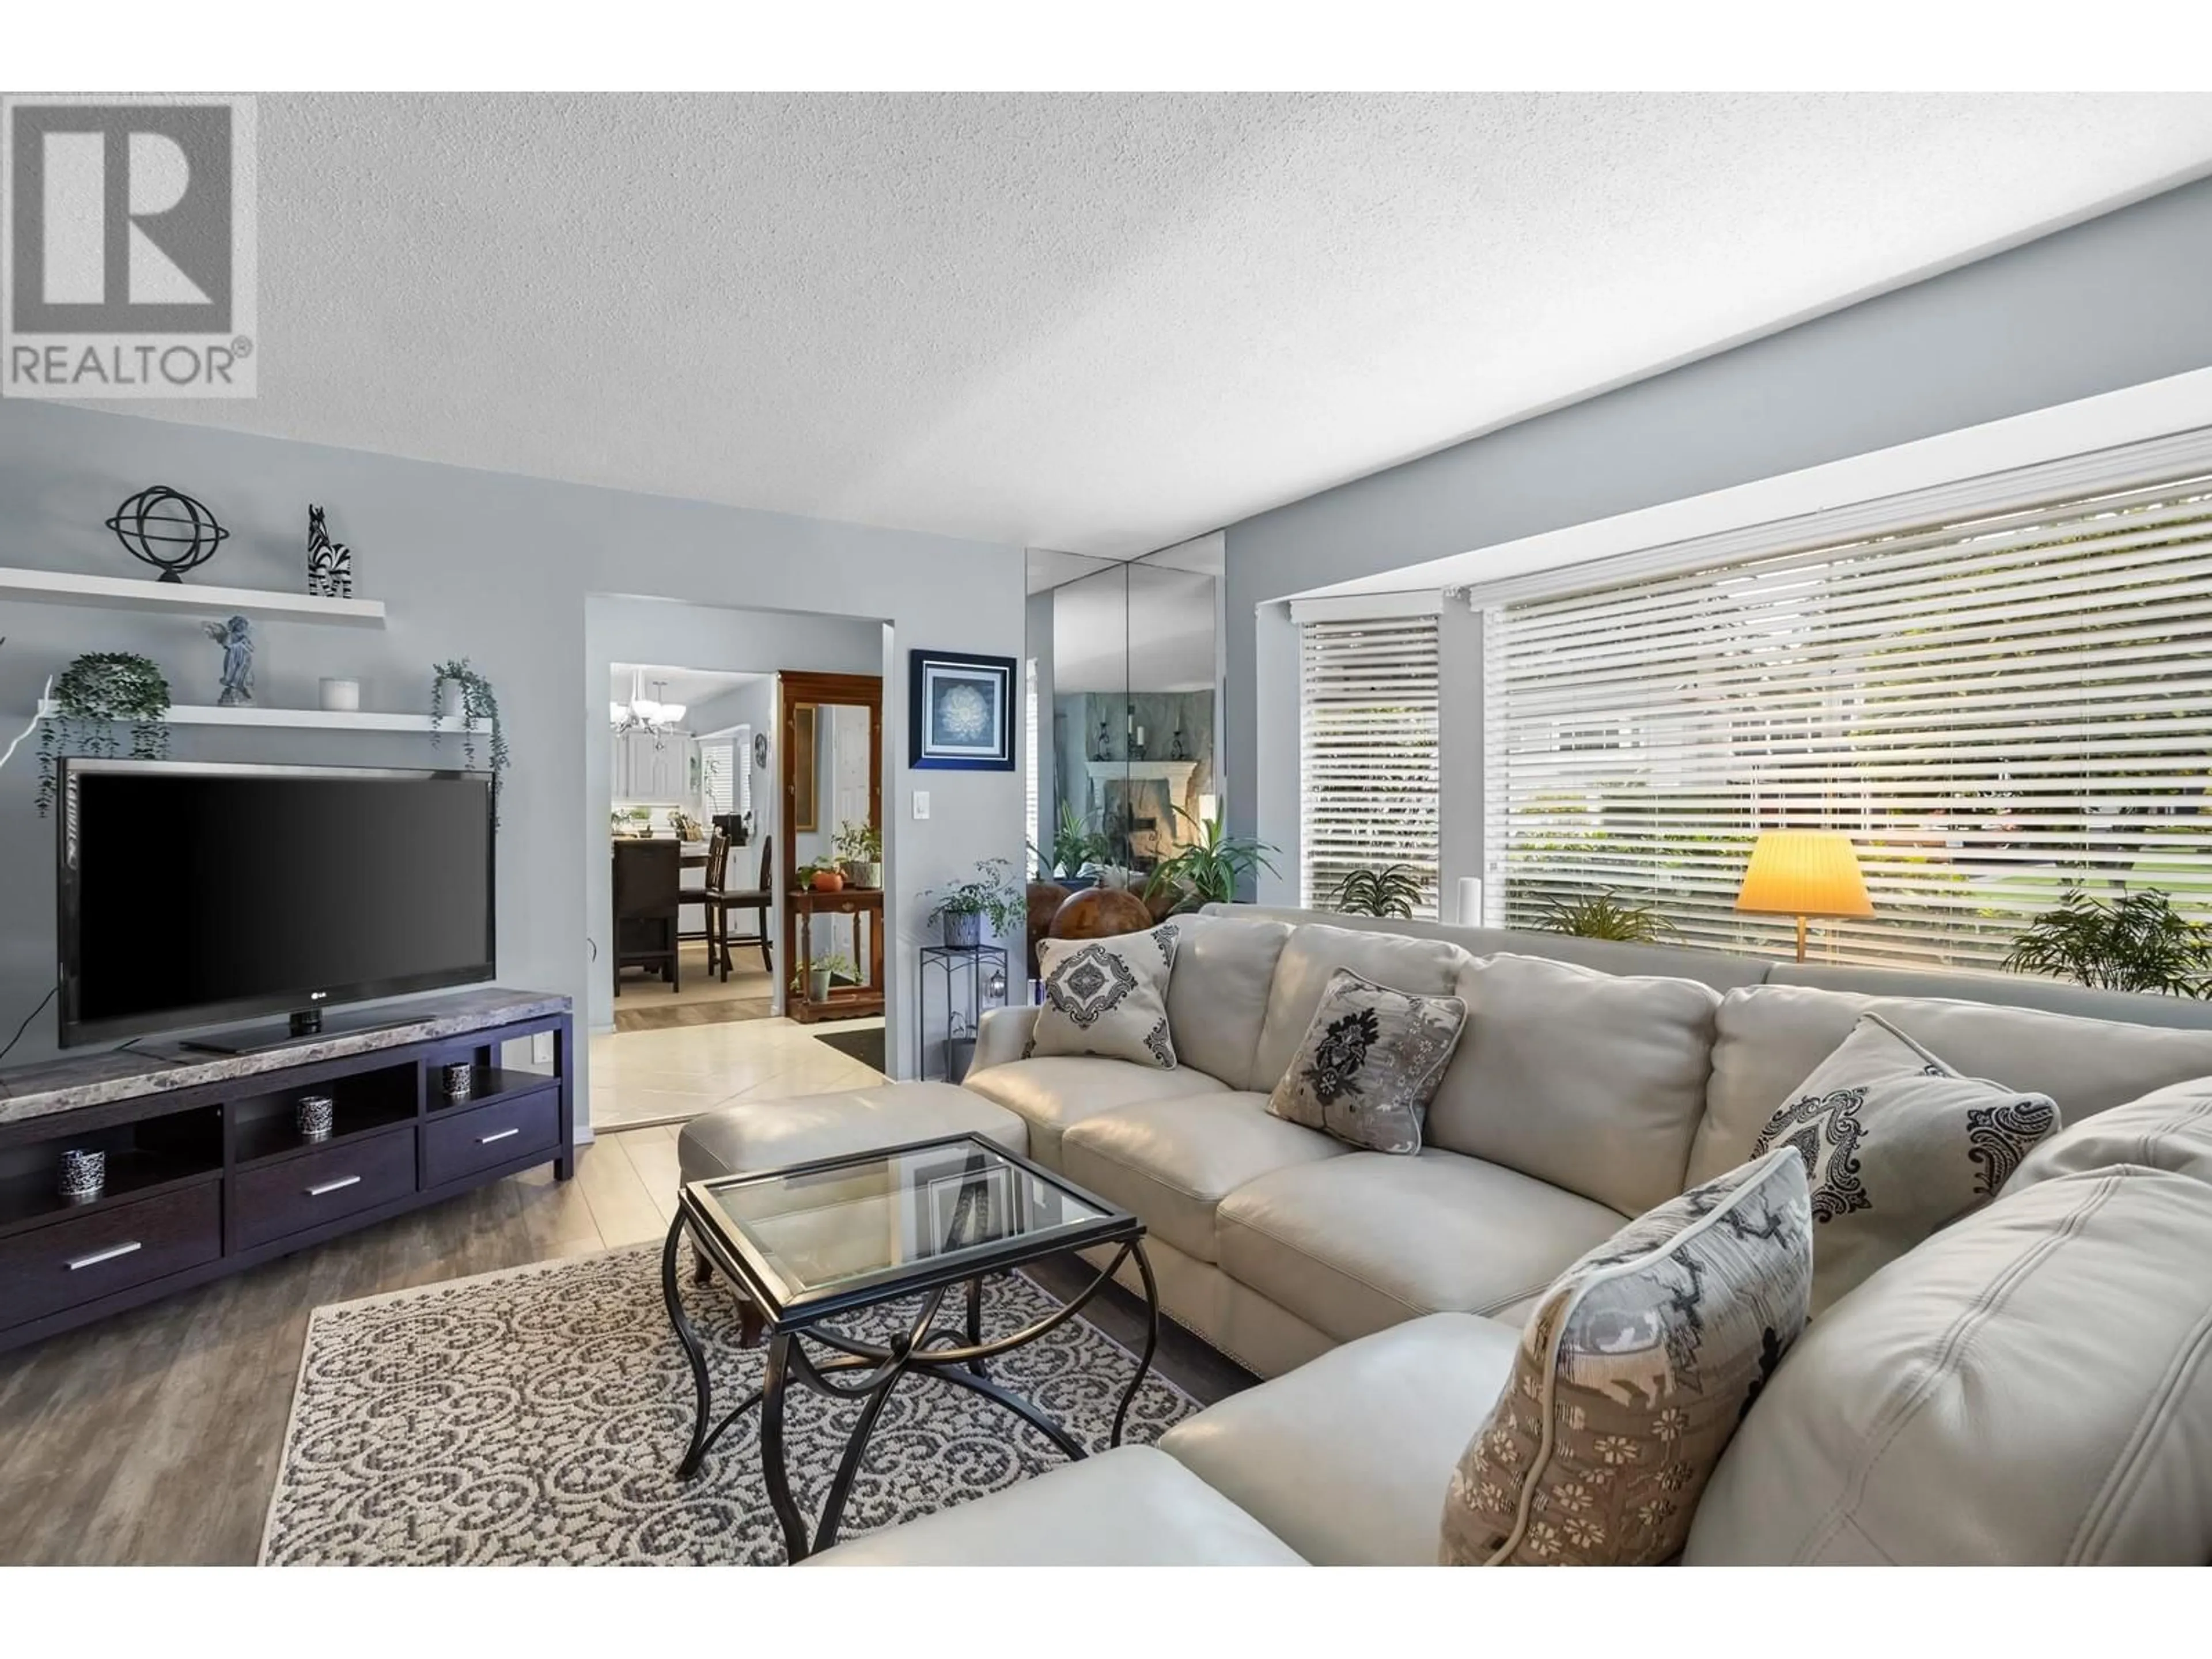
(192, 895)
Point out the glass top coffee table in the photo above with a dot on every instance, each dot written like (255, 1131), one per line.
(811, 1244)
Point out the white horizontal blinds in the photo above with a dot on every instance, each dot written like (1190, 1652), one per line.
(717, 763)
(1367, 784)
(1990, 709)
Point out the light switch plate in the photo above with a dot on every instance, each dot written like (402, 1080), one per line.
(921, 802)
(541, 1048)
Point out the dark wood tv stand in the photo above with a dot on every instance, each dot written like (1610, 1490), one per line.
(208, 1176)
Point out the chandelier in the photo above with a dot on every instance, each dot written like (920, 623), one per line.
(641, 712)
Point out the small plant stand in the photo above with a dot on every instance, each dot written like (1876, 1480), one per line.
(951, 959)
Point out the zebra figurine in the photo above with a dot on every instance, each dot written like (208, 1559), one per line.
(330, 564)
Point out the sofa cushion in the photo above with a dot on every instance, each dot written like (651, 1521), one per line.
(1055, 1093)
(1106, 997)
(1772, 1037)
(769, 1134)
(2167, 1129)
(1593, 1082)
(1347, 1458)
(2032, 1386)
(1895, 1146)
(1172, 1160)
(1425, 967)
(1370, 1064)
(1218, 994)
(1130, 1507)
(1631, 1376)
(1357, 1243)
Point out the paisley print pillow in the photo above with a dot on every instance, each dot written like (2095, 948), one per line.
(1108, 997)
(1897, 1146)
(1370, 1064)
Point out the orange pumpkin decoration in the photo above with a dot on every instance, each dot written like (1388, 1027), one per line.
(829, 881)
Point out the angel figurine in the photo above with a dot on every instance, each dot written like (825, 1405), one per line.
(236, 638)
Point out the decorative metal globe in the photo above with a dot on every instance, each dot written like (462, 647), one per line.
(168, 529)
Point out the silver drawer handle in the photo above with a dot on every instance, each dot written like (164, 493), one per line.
(107, 1255)
(334, 1186)
(486, 1140)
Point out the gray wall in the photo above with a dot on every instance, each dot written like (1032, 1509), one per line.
(2111, 303)
(479, 564)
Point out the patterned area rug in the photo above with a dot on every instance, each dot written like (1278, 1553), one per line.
(537, 1415)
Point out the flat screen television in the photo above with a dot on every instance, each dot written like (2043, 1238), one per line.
(195, 894)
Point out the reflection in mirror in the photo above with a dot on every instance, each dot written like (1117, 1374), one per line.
(1168, 783)
(1090, 725)
(829, 777)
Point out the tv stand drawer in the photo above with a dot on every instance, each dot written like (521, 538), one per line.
(277, 1199)
(458, 1143)
(86, 1257)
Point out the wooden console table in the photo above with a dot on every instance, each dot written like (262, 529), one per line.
(207, 1175)
(866, 906)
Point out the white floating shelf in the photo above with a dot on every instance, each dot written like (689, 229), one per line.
(317, 720)
(128, 594)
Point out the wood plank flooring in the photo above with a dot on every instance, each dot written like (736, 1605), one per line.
(154, 1438)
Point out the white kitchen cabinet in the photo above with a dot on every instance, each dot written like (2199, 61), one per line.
(657, 767)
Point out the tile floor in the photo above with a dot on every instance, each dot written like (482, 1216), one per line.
(664, 1077)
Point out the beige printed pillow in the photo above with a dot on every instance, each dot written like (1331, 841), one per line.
(1106, 997)
(1631, 1376)
(1370, 1064)
(1897, 1145)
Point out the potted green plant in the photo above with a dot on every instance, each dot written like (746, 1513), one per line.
(821, 970)
(1207, 871)
(92, 697)
(1392, 890)
(1077, 846)
(1607, 915)
(990, 894)
(860, 849)
(2131, 942)
(479, 705)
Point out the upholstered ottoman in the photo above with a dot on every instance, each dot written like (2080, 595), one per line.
(773, 1134)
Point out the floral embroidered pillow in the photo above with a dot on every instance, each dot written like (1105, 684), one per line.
(1897, 1146)
(1370, 1064)
(1106, 997)
(1631, 1376)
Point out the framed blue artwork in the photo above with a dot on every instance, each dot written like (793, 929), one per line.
(960, 712)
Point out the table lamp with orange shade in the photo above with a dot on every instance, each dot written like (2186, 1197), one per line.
(1802, 873)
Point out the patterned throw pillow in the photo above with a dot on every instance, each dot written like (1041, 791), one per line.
(1106, 997)
(1631, 1376)
(1370, 1063)
(1897, 1146)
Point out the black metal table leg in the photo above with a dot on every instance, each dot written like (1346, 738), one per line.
(1151, 1341)
(975, 1323)
(702, 1386)
(772, 1464)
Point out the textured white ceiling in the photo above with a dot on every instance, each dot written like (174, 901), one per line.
(1098, 322)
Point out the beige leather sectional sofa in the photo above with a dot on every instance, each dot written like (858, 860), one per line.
(2033, 1384)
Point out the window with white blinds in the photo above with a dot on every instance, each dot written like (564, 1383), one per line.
(1367, 782)
(718, 766)
(1990, 709)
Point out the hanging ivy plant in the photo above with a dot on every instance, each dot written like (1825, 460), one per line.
(94, 695)
(479, 705)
